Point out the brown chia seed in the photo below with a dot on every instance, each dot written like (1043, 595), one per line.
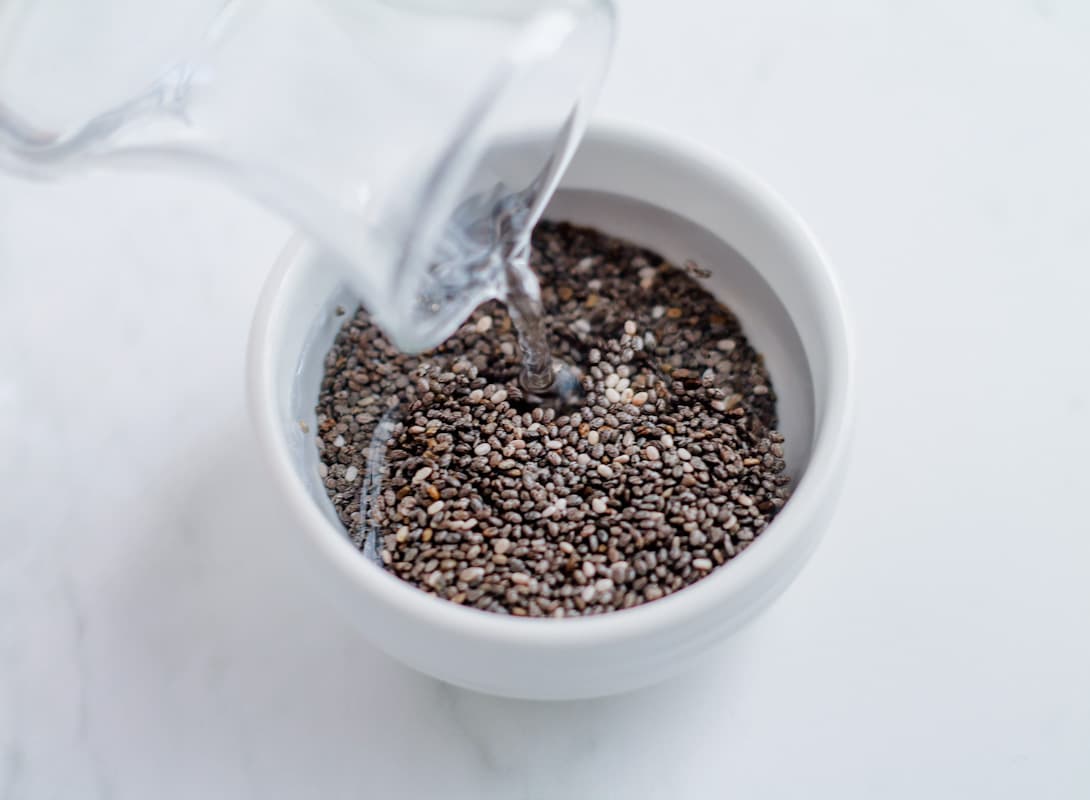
(669, 467)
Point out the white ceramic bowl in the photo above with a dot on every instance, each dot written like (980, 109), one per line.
(686, 203)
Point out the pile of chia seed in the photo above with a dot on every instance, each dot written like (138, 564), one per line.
(668, 468)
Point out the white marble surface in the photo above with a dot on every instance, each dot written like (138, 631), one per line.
(157, 642)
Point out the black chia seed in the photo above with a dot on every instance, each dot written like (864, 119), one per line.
(668, 467)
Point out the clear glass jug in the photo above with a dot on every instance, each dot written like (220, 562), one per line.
(377, 127)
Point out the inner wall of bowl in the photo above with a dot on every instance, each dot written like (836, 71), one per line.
(734, 281)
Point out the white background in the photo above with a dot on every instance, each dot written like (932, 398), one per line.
(156, 640)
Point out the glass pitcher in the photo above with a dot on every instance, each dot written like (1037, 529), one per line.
(378, 127)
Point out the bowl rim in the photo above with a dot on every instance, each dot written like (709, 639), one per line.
(787, 533)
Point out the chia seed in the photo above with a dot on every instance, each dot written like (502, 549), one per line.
(668, 467)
